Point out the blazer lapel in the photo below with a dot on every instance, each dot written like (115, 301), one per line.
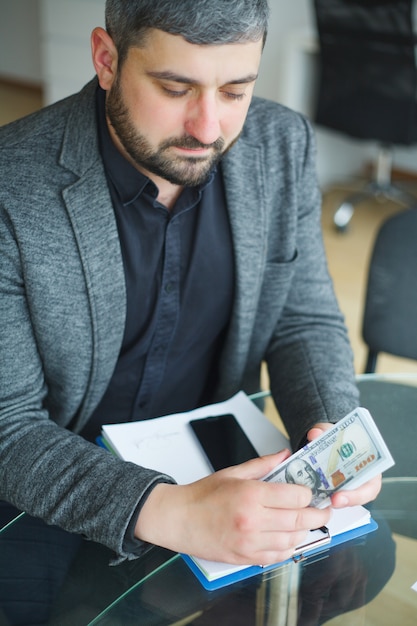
(246, 201)
(91, 214)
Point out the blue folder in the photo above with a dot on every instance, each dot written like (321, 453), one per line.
(254, 570)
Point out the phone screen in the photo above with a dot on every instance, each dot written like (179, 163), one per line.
(223, 440)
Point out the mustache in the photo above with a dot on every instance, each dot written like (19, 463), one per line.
(189, 142)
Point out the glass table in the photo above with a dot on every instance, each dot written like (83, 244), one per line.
(365, 581)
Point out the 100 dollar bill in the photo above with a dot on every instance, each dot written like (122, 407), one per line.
(344, 457)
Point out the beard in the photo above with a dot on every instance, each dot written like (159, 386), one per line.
(186, 171)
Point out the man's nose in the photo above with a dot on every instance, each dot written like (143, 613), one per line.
(203, 120)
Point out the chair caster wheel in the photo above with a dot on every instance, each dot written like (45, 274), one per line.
(343, 216)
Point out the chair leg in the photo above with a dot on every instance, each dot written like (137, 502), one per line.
(371, 362)
(380, 187)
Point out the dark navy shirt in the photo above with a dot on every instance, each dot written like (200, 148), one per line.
(179, 275)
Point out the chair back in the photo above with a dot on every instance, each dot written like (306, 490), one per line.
(390, 314)
(367, 71)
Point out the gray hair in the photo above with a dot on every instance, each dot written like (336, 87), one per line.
(201, 22)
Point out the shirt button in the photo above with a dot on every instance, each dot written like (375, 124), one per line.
(169, 287)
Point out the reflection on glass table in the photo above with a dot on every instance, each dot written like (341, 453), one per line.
(365, 581)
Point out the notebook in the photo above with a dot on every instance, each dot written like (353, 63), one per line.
(344, 525)
(168, 445)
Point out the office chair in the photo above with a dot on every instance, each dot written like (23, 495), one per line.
(393, 405)
(390, 314)
(367, 86)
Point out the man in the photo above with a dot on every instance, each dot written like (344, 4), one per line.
(159, 239)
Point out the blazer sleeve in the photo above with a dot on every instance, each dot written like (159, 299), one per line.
(309, 356)
(45, 469)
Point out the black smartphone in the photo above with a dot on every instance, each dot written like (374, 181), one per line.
(223, 440)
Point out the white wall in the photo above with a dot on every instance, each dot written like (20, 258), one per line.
(287, 17)
(66, 27)
(20, 57)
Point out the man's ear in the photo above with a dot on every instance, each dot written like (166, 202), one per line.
(104, 55)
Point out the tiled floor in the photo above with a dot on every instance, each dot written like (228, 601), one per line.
(348, 252)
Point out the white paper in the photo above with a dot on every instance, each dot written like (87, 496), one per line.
(168, 444)
(414, 587)
(343, 520)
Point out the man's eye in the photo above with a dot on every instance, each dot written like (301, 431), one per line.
(174, 93)
(234, 96)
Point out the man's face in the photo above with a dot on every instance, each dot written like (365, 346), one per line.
(302, 474)
(175, 108)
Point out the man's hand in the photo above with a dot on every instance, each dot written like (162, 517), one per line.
(231, 516)
(361, 495)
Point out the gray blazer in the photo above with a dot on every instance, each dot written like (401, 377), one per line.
(62, 305)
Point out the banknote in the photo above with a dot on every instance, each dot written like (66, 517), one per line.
(344, 457)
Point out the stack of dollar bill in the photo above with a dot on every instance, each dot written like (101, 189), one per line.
(344, 457)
